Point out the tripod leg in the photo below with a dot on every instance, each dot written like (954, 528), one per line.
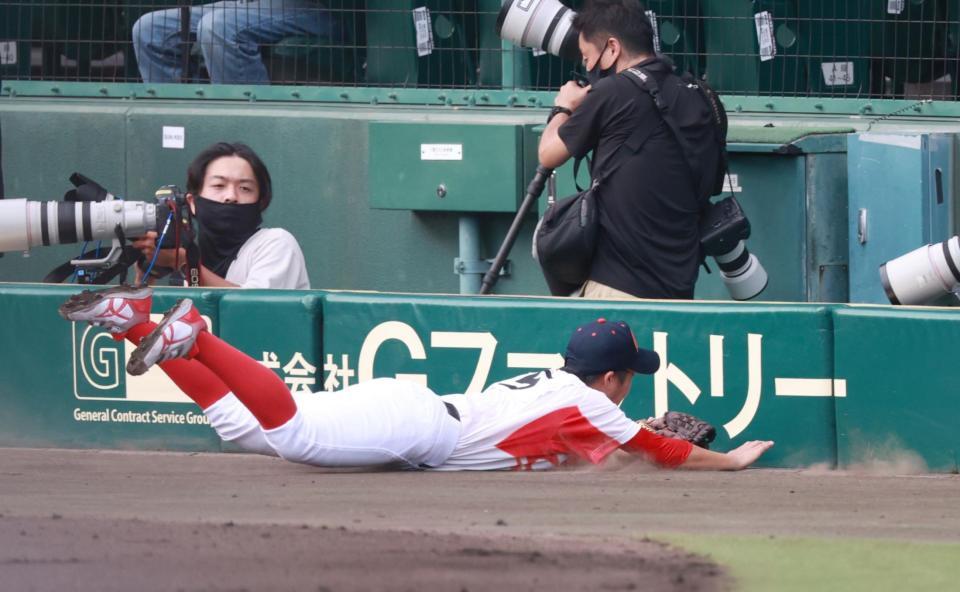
(533, 194)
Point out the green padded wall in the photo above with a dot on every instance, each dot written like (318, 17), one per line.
(847, 385)
(63, 384)
(902, 403)
(279, 328)
(746, 368)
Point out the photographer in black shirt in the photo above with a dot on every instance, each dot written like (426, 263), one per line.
(650, 206)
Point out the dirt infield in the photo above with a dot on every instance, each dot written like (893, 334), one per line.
(94, 520)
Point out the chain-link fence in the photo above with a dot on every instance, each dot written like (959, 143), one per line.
(840, 48)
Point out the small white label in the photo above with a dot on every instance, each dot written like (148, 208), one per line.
(174, 137)
(656, 30)
(731, 184)
(895, 6)
(537, 52)
(838, 73)
(8, 53)
(441, 151)
(421, 22)
(764, 22)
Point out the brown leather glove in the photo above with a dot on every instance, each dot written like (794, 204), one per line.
(674, 424)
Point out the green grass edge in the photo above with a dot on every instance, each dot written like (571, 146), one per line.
(761, 563)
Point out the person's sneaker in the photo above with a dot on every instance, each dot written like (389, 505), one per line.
(115, 309)
(174, 337)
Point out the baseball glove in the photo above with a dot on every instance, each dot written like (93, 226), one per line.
(674, 424)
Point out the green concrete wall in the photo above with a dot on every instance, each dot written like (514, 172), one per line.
(317, 157)
(338, 192)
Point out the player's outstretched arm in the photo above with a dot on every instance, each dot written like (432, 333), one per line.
(739, 458)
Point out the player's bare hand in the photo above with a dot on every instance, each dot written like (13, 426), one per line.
(747, 453)
(571, 95)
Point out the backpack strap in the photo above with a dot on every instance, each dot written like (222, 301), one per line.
(634, 142)
(576, 170)
(647, 83)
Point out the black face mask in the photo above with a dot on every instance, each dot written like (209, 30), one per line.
(223, 230)
(596, 73)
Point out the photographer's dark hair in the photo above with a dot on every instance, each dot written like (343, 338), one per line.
(624, 19)
(198, 168)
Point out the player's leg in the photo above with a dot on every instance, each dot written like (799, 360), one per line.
(124, 311)
(375, 423)
(231, 36)
(379, 422)
(183, 333)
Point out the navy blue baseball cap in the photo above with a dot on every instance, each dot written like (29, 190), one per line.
(604, 345)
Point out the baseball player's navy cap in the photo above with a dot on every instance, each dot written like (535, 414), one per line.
(604, 345)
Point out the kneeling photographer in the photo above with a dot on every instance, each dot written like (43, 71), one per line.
(228, 188)
(650, 194)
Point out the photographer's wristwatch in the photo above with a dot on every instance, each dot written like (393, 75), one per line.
(558, 109)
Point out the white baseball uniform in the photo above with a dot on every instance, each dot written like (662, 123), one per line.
(533, 421)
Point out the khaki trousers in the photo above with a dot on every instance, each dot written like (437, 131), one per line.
(598, 291)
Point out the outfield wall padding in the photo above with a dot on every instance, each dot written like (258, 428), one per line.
(903, 403)
(803, 375)
(722, 361)
(63, 384)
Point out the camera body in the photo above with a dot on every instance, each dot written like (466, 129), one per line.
(723, 226)
(172, 205)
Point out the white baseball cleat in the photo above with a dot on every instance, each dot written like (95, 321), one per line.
(174, 337)
(115, 309)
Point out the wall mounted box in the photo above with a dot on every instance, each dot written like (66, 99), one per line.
(445, 167)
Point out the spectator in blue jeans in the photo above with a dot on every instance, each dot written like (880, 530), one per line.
(229, 34)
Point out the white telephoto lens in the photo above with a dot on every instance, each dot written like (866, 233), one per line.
(14, 230)
(25, 224)
(741, 273)
(539, 24)
(924, 274)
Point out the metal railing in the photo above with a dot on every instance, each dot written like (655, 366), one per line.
(792, 48)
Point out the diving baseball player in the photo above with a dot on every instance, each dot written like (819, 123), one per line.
(533, 421)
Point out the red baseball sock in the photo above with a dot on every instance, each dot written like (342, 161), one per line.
(257, 387)
(196, 380)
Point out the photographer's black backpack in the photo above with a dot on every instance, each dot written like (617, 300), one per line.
(723, 224)
(685, 103)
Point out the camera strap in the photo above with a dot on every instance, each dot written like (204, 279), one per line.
(193, 259)
(184, 236)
